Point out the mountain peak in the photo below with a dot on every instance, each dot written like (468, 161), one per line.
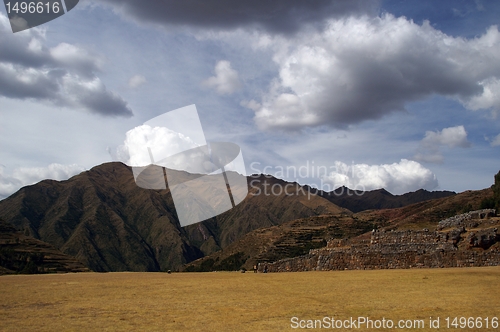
(102, 217)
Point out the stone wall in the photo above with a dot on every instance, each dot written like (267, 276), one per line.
(401, 250)
(466, 218)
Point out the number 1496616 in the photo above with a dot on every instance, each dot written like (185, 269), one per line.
(33, 7)
(472, 322)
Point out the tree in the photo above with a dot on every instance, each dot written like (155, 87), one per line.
(496, 190)
(487, 203)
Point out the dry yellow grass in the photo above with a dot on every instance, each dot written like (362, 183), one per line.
(231, 301)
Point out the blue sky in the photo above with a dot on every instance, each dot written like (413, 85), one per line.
(396, 94)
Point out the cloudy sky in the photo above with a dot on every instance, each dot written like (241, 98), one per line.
(368, 94)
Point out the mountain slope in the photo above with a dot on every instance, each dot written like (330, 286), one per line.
(297, 237)
(20, 253)
(289, 239)
(106, 221)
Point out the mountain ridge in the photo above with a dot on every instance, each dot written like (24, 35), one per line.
(103, 219)
(380, 198)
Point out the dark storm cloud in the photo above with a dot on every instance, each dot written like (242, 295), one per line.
(277, 16)
(64, 75)
(27, 85)
(16, 50)
(104, 102)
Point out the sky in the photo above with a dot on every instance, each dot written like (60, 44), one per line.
(400, 95)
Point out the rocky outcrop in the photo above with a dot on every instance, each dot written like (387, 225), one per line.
(483, 238)
(455, 247)
(466, 219)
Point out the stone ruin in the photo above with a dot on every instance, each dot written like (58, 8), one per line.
(457, 246)
(466, 219)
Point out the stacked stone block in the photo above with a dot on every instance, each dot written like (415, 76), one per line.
(465, 218)
(400, 250)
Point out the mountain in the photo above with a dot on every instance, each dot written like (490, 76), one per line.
(103, 219)
(20, 253)
(296, 237)
(379, 199)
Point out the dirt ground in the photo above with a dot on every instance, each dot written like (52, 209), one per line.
(233, 301)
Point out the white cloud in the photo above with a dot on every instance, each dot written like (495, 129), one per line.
(134, 151)
(136, 81)
(495, 141)
(226, 80)
(252, 104)
(24, 176)
(362, 68)
(8, 184)
(397, 178)
(488, 99)
(71, 56)
(451, 137)
(430, 146)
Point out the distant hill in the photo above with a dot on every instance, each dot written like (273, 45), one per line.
(380, 199)
(20, 253)
(428, 213)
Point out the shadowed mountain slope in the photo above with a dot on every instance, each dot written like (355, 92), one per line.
(20, 253)
(106, 221)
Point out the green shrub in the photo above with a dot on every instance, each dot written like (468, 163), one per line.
(488, 203)
(496, 190)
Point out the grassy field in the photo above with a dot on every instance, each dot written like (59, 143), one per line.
(231, 301)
